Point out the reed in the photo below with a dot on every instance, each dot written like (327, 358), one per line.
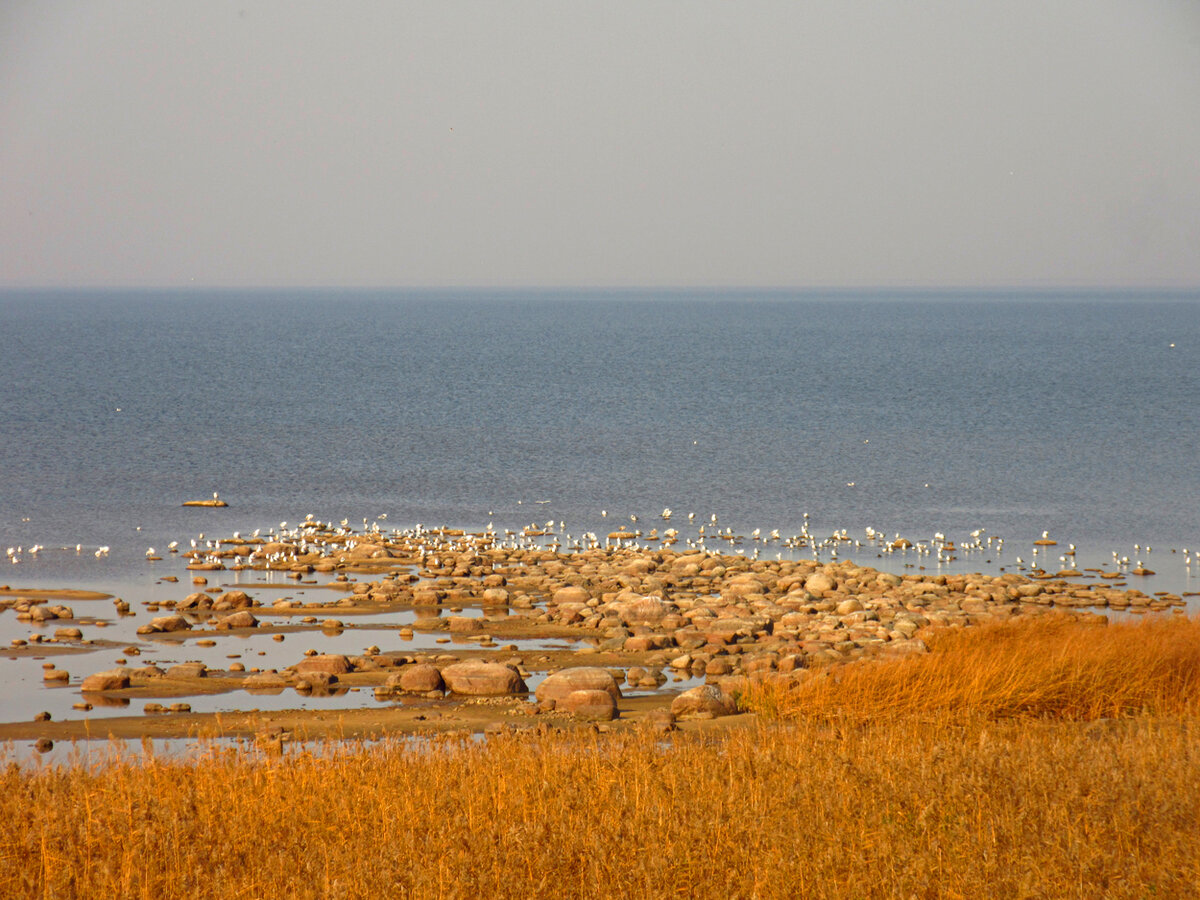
(1029, 800)
(1049, 666)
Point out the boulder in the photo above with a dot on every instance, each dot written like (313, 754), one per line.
(428, 623)
(735, 626)
(496, 596)
(717, 666)
(642, 643)
(704, 702)
(818, 583)
(315, 681)
(581, 678)
(464, 624)
(479, 678)
(233, 600)
(264, 681)
(110, 680)
(570, 594)
(240, 619)
(169, 624)
(329, 663)
(644, 611)
(188, 670)
(595, 705)
(420, 679)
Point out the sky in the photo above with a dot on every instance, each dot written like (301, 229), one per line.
(810, 143)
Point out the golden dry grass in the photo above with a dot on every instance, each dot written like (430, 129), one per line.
(1049, 666)
(946, 804)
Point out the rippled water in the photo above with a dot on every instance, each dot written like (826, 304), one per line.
(914, 414)
(1069, 413)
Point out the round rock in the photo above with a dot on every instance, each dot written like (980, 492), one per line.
(596, 705)
(475, 677)
(704, 702)
(421, 679)
(581, 678)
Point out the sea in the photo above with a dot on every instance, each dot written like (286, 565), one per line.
(1015, 413)
(983, 418)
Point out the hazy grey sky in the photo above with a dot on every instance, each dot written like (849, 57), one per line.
(979, 142)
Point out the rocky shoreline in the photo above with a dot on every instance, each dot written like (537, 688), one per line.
(644, 617)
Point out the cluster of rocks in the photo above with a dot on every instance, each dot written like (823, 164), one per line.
(226, 600)
(123, 677)
(728, 619)
(201, 607)
(34, 610)
(725, 615)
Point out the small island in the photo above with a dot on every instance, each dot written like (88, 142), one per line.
(216, 501)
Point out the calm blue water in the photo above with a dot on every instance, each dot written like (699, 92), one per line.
(1014, 413)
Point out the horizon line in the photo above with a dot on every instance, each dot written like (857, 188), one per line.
(632, 288)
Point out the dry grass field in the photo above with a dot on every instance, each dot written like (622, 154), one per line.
(1051, 666)
(1052, 760)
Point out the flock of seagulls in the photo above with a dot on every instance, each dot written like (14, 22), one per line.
(705, 535)
(17, 554)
